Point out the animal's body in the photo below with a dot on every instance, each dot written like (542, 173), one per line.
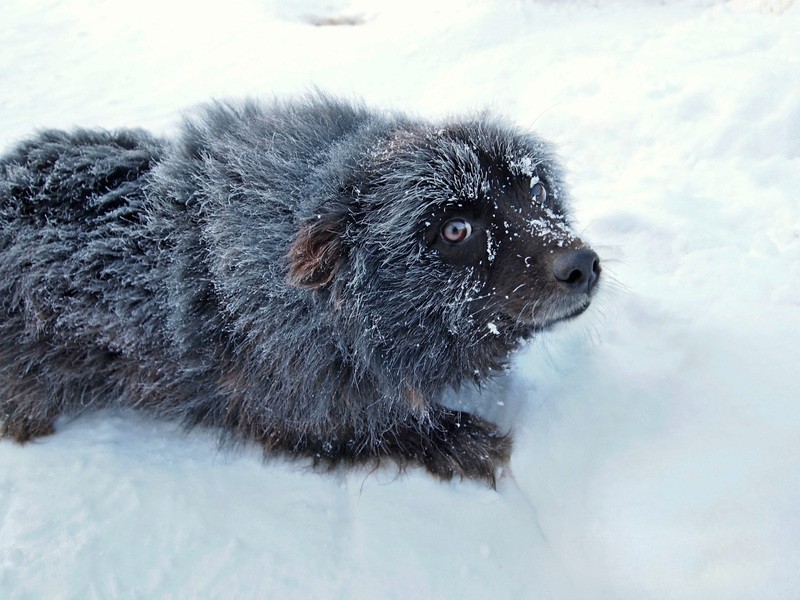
(311, 275)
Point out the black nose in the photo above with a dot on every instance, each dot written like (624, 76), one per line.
(578, 270)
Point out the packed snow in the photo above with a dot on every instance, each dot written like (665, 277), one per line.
(657, 450)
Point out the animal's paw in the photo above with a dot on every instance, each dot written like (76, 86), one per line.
(463, 445)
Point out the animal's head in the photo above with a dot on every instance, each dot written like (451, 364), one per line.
(452, 246)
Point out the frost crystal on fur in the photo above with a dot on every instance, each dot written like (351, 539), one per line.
(277, 272)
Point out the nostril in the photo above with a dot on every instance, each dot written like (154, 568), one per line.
(596, 266)
(574, 278)
(578, 270)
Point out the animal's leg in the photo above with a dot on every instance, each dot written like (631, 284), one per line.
(448, 444)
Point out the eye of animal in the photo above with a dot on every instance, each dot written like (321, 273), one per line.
(456, 231)
(538, 192)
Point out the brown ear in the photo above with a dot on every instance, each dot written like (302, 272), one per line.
(317, 253)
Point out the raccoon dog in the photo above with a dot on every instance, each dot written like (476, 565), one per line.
(311, 275)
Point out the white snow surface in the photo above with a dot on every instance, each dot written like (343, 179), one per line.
(657, 450)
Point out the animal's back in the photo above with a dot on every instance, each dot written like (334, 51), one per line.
(74, 250)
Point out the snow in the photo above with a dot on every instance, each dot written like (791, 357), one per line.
(656, 437)
(491, 246)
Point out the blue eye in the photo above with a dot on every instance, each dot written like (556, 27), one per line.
(456, 231)
(538, 192)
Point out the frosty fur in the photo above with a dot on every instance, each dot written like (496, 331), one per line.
(276, 272)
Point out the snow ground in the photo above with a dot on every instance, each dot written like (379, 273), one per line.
(656, 438)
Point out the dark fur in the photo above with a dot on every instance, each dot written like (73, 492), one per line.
(277, 272)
